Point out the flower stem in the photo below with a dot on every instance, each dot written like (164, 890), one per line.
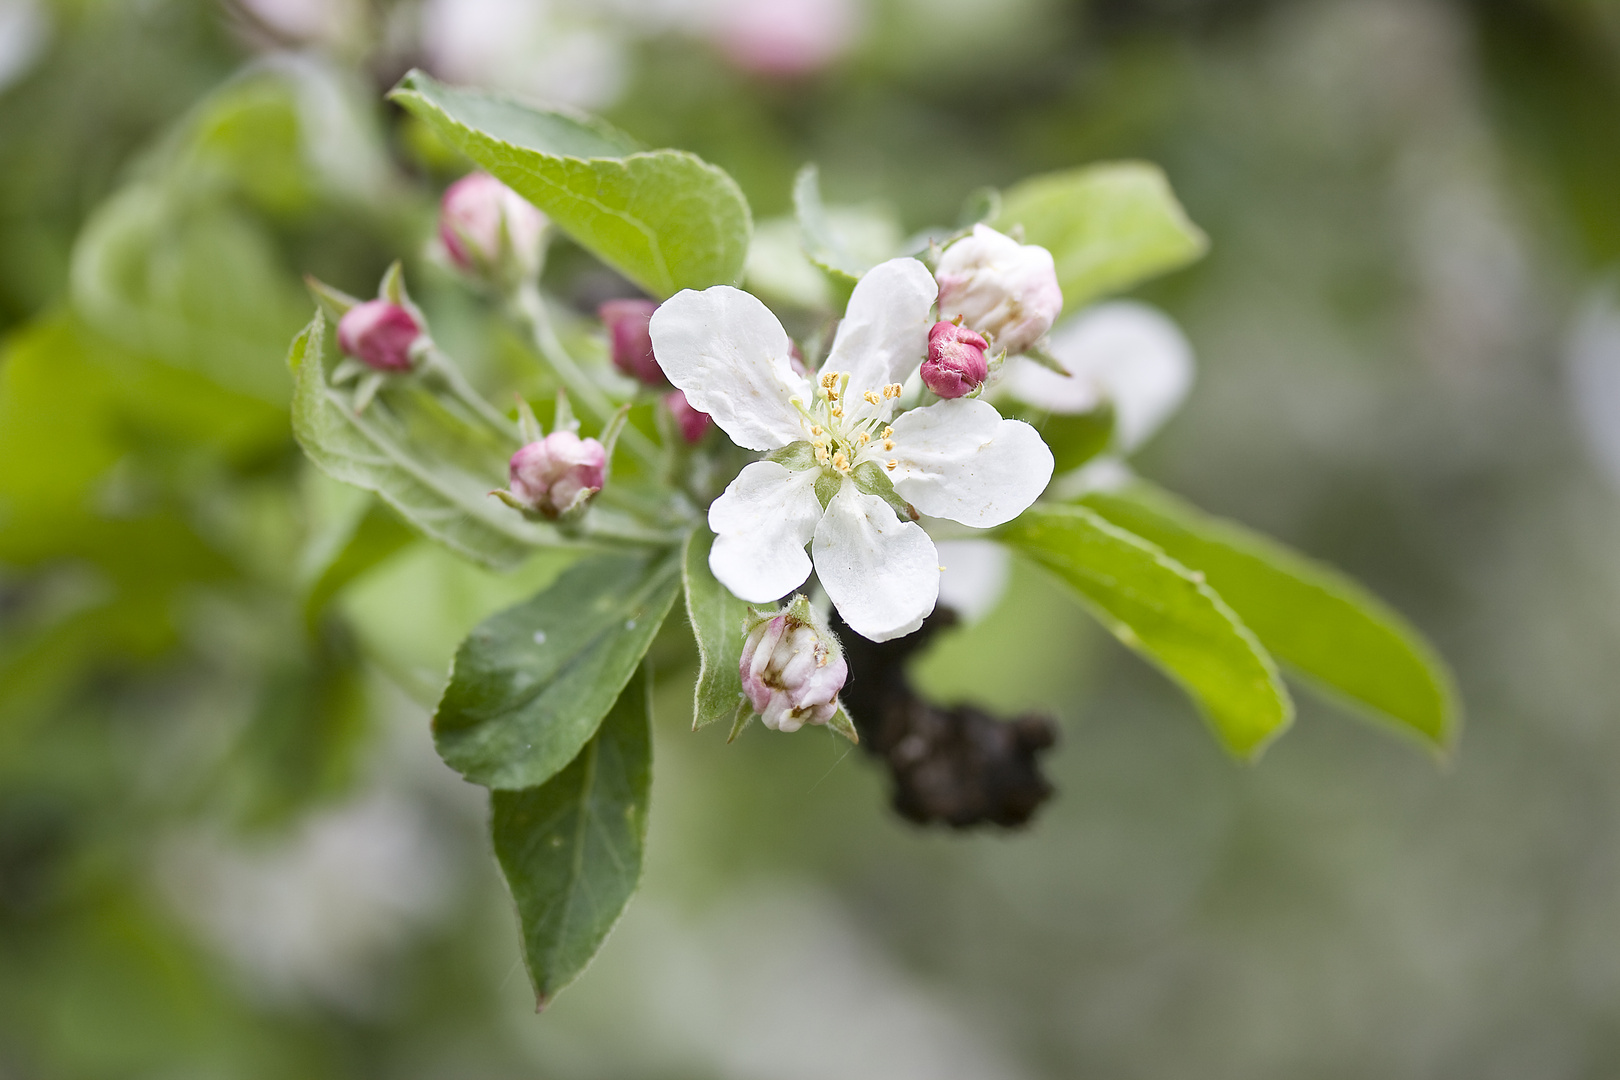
(530, 308)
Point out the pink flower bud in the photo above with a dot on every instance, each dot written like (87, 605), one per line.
(630, 340)
(1001, 288)
(792, 670)
(956, 363)
(693, 424)
(487, 228)
(380, 334)
(558, 474)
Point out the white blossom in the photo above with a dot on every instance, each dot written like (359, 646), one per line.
(1122, 353)
(844, 458)
(999, 287)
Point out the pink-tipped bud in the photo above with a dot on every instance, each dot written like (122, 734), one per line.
(557, 475)
(792, 669)
(628, 325)
(956, 363)
(693, 424)
(379, 334)
(489, 229)
(1000, 287)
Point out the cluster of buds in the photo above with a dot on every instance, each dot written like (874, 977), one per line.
(792, 669)
(630, 346)
(553, 477)
(490, 231)
(956, 363)
(1005, 290)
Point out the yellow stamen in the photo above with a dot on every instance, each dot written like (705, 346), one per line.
(871, 396)
(865, 438)
(815, 429)
(888, 432)
(893, 465)
(893, 390)
(836, 411)
(840, 462)
(888, 444)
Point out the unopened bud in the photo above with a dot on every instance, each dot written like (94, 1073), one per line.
(693, 424)
(490, 230)
(379, 334)
(556, 476)
(630, 339)
(956, 363)
(1001, 288)
(792, 668)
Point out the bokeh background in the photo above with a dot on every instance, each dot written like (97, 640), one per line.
(228, 850)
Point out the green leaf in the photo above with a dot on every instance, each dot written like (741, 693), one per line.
(1107, 226)
(196, 283)
(571, 848)
(530, 684)
(843, 242)
(1167, 613)
(433, 465)
(1310, 616)
(666, 219)
(717, 620)
(1074, 439)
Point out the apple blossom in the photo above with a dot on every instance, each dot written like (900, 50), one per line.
(490, 230)
(843, 460)
(629, 342)
(380, 334)
(956, 363)
(792, 668)
(1122, 353)
(555, 477)
(1005, 290)
(693, 425)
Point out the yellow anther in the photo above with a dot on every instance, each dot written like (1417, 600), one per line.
(865, 438)
(871, 396)
(840, 462)
(888, 444)
(829, 379)
(893, 465)
(888, 432)
(893, 390)
(815, 429)
(836, 411)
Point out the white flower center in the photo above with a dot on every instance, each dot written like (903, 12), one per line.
(845, 431)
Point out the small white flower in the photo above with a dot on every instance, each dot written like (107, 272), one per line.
(1126, 354)
(952, 459)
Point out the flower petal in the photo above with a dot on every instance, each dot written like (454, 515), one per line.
(1127, 353)
(881, 573)
(761, 523)
(960, 460)
(884, 334)
(725, 350)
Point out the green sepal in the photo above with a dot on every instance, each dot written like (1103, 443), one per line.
(334, 302)
(870, 478)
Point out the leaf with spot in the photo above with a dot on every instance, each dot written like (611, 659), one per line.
(666, 219)
(531, 684)
(571, 848)
(1166, 612)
